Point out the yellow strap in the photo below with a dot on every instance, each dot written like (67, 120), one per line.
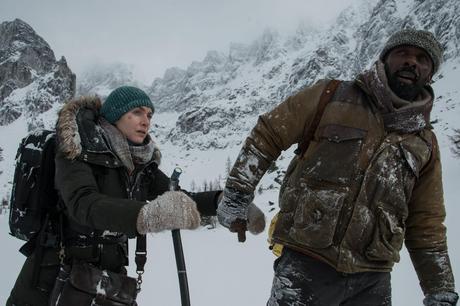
(275, 247)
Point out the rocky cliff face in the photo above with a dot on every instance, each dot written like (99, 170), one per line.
(31, 79)
(224, 93)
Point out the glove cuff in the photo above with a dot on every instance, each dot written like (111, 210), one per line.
(142, 224)
(237, 198)
(234, 205)
(441, 298)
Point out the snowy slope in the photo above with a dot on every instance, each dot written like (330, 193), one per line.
(206, 111)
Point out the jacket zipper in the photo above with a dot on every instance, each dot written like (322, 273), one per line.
(133, 183)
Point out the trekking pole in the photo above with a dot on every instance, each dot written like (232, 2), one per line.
(178, 250)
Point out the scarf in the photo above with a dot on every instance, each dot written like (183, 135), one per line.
(130, 155)
(398, 115)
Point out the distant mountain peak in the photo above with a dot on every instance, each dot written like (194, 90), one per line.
(17, 34)
(31, 80)
(228, 90)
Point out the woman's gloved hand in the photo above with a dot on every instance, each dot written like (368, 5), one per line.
(171, 210)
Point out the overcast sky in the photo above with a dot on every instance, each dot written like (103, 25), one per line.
(153, 35)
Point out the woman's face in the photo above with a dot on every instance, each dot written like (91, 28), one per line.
(135, 124)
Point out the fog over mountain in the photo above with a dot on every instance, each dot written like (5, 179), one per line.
(203, 114)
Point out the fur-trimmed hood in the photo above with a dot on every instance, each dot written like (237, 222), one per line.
(67, 128)
(78, 129)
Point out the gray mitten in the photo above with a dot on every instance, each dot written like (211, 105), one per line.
(256, 219)
(441, 299)
(171, 210)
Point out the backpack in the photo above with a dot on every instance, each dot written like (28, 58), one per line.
(302, 147)
(33, 202)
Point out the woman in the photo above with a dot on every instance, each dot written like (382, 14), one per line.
(111, 189)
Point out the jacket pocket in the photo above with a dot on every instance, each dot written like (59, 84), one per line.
(84, 284)
(316, 217)
(417, 153)
(388, 236)
(336, 154)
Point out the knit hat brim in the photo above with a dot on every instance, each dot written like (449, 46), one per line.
(122, 100)
(417, 38)
(115, 116)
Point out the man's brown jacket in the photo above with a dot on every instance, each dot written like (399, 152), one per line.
(358, 192)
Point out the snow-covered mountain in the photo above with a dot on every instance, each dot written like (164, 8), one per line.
(205, 111)
(223, 93)
(31, 80)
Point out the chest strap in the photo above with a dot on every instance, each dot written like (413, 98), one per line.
(309, 132)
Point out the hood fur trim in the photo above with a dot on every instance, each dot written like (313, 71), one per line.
(67, 126)
(68, 134)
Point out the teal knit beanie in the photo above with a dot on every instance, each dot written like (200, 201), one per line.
(122, 100)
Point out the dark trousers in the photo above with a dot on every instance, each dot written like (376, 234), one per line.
(301, 280)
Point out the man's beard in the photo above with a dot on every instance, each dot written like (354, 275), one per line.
(405, 91)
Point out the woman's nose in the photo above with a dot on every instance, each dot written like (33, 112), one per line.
(145, 120)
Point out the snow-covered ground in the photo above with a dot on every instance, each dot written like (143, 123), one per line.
(222, 271)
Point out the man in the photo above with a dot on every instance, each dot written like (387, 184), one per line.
(369, 179)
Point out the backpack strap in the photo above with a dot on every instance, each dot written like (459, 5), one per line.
(47, 200)
(141, 258)
(309, 132)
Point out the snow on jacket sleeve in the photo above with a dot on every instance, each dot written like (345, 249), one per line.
(425, 231)
(87, 205)
(274, 132)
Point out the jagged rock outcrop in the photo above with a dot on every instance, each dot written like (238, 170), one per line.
(31, 80)
(233, 88)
